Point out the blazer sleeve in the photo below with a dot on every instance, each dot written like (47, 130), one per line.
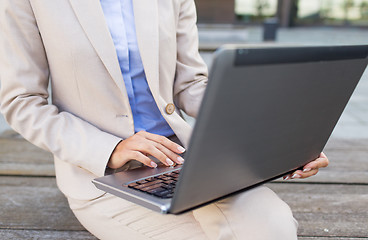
(24, 77)
(191, 71)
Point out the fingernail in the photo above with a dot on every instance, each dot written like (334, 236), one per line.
(169, 162)
(153, 164)
(307, 170)
(296, 176)
(180, 160)
(181, 149)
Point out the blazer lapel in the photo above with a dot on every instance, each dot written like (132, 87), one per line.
(92, 20)
(146, 24)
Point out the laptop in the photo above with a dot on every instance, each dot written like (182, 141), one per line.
(266, 112)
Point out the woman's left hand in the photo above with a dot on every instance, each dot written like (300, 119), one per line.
(310, 169)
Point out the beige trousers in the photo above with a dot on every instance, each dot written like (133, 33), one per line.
(255, 214)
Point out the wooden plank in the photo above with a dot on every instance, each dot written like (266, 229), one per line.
(327, 210)
(83, 235)
(348, 144)
(19, 157)
(328, 238)
(348, 163)
(45, 235)
(346, 166)
(34, 203)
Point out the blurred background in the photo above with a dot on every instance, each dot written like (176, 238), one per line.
(290, 22)
(290, 12)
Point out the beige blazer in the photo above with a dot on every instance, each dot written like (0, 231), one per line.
(68, 41)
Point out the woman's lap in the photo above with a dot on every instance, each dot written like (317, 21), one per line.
(110, 217)
(254, 214)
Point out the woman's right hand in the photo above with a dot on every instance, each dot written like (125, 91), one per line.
(143, 144)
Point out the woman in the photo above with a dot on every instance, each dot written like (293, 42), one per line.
(120, 71)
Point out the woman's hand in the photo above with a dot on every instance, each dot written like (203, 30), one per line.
(143, 144)
(310, 169)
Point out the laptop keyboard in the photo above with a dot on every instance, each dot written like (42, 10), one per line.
(161, 186)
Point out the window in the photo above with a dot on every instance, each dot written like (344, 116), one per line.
(255, 10)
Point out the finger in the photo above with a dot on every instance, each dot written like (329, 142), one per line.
(152, 150)
(322, 155)
(318, 163)
(156, 153)
(310, 169)
(170, 154)
(149, 148)
(287, 177)
(300, 174)
(140, 157)
(165, 142)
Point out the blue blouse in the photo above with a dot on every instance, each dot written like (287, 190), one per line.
(119, 16)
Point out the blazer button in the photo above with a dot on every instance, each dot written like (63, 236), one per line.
(170, 108)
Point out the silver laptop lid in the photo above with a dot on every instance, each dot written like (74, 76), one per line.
(265, 112)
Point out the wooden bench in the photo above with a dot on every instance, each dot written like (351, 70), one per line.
(332, 205)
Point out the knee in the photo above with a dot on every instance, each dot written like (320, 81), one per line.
(279, 218)
(268, 213)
